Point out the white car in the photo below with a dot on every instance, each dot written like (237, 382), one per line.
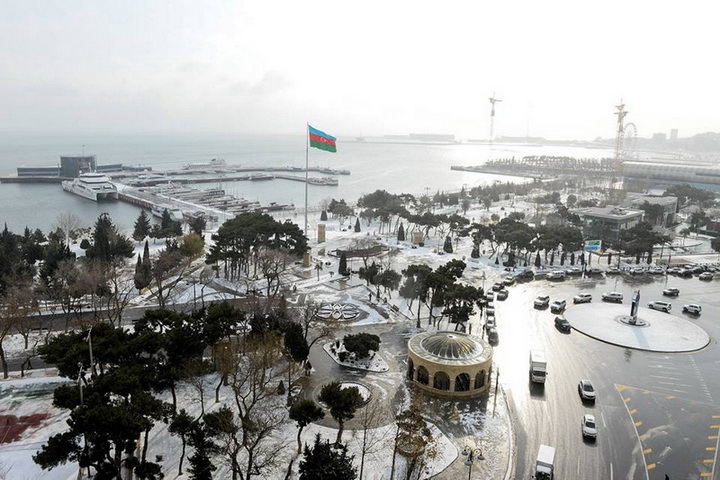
(693, 308)
(706, 276)
(582, 298)
(556, 275)
(542, 301)
(558, 306)
(659, 305)
(613, 297)
(586, 390)
(589, 427)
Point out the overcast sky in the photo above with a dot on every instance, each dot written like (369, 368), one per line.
(358, 68)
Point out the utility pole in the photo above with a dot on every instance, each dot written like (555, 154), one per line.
(493, 101)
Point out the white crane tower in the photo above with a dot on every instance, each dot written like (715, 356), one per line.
(493, 101)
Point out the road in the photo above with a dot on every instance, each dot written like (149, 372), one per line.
(657, 413)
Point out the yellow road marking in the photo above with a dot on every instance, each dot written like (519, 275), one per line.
(708, 460)
(644, 436)
(645, 392)
(705, 474)
(627, 399)
(633, 411)
(647, 450)
(710, 449)
(712, 437)
(638, 423)
(650, 466)
(716, 416)
(669, 397)
(715, 426)
(620, 388)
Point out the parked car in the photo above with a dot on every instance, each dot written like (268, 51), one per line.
(586, 390)
(497, 287)
(562, 324)
(671, 292)
(489, 296)
(574, 271)
(706, 276)
(692, 308)
(589, 427)
(490, 322)
(612, 297)
(542, 301)
(686, 272)
(582, 298)
(594, 271)
(502, 295)
(612, 271)
(490, 310)
(660, 305)
(558, 306)
(508, 281)
(556, 275)
(492, 336)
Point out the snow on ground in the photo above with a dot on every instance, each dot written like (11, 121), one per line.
(33, 394)
(374, 363)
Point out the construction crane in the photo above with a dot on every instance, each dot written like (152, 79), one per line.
(493, 101)
(621, 112)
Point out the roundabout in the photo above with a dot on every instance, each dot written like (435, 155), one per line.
(651, 330)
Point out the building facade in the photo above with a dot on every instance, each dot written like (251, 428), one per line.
(606, 223)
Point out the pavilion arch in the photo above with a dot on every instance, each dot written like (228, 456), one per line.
(441, 381)
(462, 383)
(423, 376)
(480, 379)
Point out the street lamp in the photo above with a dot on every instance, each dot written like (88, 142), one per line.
(471, 454)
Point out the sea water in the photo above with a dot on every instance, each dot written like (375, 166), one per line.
(415, 168)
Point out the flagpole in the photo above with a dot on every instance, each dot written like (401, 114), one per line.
(307, 148)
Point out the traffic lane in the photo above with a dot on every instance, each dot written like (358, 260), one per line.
(551, 414)
(670, 430)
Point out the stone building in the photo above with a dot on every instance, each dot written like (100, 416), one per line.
(449, 364)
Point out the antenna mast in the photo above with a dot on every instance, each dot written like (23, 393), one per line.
(493, 100)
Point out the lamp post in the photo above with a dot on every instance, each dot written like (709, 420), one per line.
(472, 454)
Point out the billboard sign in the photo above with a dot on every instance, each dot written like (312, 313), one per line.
(593, 245)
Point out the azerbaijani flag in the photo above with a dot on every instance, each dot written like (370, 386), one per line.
(321, 140)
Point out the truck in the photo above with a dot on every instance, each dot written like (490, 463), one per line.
(538, 366)
(545, 464)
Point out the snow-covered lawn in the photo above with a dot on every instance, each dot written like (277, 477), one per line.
(374, 363)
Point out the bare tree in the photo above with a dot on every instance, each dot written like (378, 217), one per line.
(120, 285)
(372, 437)
(15, 306)
(260, 411)
(168, 270)
(69, 225)
(273, 264)
(321, 329)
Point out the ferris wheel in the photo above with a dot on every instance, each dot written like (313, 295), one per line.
(629, 146)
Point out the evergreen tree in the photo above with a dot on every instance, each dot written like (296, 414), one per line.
(342, 266)
(323, 462)
(197, 224)
(201, 467)
(142, 226)
(108, 244)
(182, 425)
(343, 403)
(448, 245)
(304, 413)
(401, 233)
(475, 252)
(357, 224)
(323, 216)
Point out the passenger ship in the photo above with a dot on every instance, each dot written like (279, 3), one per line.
(93, 186)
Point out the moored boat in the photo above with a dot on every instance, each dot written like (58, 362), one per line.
(93, 186)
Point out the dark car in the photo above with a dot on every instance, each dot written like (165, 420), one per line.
(562, 324)
(497, 287)
(492, 336)
(671, 292)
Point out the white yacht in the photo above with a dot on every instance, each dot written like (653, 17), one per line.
(93, 186)
(176, 215)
